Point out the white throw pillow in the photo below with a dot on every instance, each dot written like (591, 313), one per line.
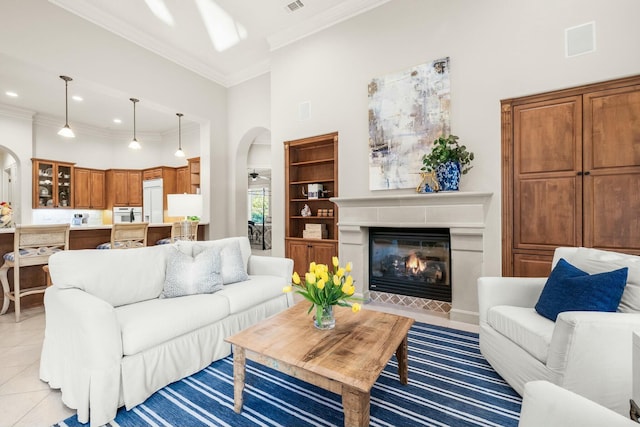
(598, 261)
(232, 265)
(188, 275)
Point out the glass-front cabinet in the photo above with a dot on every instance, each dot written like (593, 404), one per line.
(52, 184)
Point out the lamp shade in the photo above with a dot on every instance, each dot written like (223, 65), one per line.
(184, 204)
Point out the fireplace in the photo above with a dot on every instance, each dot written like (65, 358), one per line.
(463, 213)
(410, 261)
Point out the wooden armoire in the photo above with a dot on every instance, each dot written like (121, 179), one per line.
(570, 173)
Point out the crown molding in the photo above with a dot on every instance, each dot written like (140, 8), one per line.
(128, 32)
(249, 73)
(342, 12)
(16, 112)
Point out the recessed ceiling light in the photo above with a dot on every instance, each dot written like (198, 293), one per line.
(77, 98)
(118, 121)
(11, 94)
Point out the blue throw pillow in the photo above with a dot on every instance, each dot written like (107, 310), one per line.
(570, 289)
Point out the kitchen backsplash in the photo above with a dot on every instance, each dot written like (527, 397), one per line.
(62, 216)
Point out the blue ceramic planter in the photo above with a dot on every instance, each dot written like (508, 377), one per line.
(448, 176)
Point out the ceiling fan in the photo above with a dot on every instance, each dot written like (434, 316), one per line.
(255, 175)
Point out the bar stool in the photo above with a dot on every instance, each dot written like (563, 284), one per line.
(177, 233)
(127, 235)
(32, 245)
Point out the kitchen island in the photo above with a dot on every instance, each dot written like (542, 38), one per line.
(80, 237)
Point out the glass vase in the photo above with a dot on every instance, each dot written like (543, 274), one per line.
(324, 317)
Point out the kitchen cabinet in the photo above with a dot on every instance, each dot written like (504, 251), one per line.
(52, 184)
(571, 171)
(194, 175)
(183, 183)
(123, 187)
(311, 161)
(154, 173)
(89, 188)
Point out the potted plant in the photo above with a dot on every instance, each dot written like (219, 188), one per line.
(448, 159)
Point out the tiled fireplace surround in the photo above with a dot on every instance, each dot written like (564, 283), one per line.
(463, 213)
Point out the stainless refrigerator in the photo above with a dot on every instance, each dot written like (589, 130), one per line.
(152, 204)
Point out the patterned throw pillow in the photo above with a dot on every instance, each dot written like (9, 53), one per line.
(188, 275)
(232, 264)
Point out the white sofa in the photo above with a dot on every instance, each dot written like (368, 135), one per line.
(111, 341)
(546, 404)
(589, 353)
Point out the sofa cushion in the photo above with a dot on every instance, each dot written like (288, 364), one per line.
(570, 289)
(150, 323)
(118, 277)
(232, 266)
(187, 275)
(251, 292)
(243, 242)
(523, 326)
(598, 261)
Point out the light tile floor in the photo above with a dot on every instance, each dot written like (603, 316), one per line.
(25, 401)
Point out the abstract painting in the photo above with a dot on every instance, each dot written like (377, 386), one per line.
(407, 112)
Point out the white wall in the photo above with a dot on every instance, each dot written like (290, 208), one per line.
(15, 137)
(37, 32)
(249, 106)
(169, 145)
(498, 49)
(259, 156)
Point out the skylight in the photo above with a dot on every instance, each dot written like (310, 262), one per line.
(160, 10)
(223, 30)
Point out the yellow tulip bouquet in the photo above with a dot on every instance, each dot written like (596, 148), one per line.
(323, 289)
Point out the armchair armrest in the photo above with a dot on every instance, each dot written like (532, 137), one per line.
(516, 291)
(546, 404)
(591, 354)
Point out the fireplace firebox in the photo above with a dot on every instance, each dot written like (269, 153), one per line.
(410, 261)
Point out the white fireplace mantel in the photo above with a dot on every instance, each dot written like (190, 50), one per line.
(463, 213)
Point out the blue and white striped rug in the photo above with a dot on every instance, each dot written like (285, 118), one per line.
(450, 384)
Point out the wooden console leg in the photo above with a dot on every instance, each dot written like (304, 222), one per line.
(402, 356)
(356, 407)
(239, 361)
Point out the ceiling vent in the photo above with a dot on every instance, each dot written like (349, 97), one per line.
(293, 6)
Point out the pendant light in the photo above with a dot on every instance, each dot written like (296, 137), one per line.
(66, 130)
(134, 144)
(179, 153)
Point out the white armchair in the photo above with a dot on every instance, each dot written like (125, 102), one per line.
(589, 353)
(545, 404)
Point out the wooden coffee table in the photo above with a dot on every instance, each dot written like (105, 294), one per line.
(346, 360)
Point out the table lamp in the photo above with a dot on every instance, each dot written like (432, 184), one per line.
(185, 205)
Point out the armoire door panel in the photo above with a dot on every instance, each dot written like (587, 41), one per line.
(614, 204)
(571, 172)
(527, 265)
(547, 213)
(546, 134)
(612, 128)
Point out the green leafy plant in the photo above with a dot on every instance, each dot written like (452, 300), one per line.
(447, 149)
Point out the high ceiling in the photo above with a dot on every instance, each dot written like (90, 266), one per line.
(226, 41)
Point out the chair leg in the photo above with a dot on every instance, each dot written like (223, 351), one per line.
(16, 291)
(5, 287)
